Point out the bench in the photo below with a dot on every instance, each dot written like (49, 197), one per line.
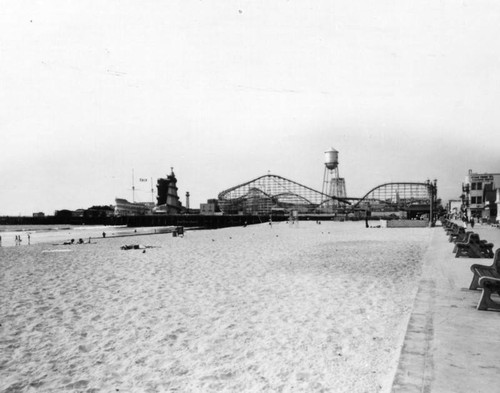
(485, 271)
(448, 224)
(456, 232)
(469, 247)
(490, 285)
(473, 247)
(486, 249)
(461, 236)
(453, 228)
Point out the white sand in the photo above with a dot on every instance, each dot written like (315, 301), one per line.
(307, 308)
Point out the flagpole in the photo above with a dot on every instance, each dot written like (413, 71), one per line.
(152, 192)
(133, 186)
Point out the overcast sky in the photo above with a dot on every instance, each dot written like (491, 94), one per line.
(225, 91)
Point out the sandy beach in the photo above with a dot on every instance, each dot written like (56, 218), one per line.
(287, 308)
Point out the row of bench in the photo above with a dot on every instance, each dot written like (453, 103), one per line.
(485, 278)
(467, 243)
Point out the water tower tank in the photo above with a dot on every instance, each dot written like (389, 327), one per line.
(331, 158)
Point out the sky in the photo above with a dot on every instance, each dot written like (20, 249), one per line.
(227, 91)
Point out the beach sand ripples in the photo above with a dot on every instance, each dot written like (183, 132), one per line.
(310, 308)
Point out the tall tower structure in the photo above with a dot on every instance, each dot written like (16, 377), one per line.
(167, 199)
(333, 184)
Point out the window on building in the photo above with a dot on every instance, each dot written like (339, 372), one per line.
(473, 199)
(479, 200)
(479, 186)
(473, 186)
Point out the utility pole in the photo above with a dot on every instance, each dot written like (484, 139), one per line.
(133, 187)
(152, 192)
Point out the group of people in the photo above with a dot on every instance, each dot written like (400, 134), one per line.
(72, 241)
(18, 240)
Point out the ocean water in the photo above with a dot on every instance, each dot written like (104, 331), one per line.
(57, 234)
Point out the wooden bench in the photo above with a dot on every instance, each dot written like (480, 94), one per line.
(447, 224)
(461, 236)
(452, 229)
(485, 271)
(486, 249)
(455, 232)
(473, 247)
(469, 247)
(490, 285)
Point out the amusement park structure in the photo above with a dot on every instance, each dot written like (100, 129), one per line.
(269, 193)
(272, 194)
(413, 198)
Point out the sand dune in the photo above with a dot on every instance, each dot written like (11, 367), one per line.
(287, 308)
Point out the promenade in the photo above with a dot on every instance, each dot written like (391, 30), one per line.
(449, 345)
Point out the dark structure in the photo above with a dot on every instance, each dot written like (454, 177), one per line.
(168, 200)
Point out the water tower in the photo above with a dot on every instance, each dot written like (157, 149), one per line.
(333, 184)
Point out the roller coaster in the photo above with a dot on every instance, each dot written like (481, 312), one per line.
(396, 196)
(272, 193)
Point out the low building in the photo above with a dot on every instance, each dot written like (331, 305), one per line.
(99, 211)
(39, 214)
(207, 208)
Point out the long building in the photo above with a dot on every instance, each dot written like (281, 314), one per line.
(126, 208)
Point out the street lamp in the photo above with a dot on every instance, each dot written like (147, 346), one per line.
(432, 192)
(434, 198)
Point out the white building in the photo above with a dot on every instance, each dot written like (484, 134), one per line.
(482, 195)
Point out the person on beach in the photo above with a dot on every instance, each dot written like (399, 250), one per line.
(29, 239)
(367, 214)
(104, 234)
(0, 241)
(472, 222)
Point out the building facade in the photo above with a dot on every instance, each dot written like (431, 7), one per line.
(481, 196)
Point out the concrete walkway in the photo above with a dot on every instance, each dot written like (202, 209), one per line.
(449, 345)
